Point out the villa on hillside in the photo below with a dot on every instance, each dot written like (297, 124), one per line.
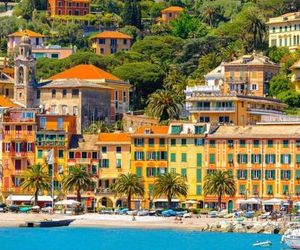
(169, 14)
(68, 7)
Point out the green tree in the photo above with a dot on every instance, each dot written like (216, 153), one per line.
(36, 178)
(277, 53)
(129, 185)
(279, 84)
(290, 97)
(132, 13)
(97, 127)
(163, 105)
(219, 183)
(77, 179)
(170, 185)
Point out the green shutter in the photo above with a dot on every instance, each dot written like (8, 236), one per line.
(273, 174)
(274, 158)
(139, 172)
(297, 175)
(183, 172)
(281, 159)
(281, 174)
(252, 158)
(173, 157)
(238, 174)
(183, 157)
(143, 155)
(297, 190)
(198, 175)
(155, 171)
(230, 158)
(246, 158)
(239, 158)
(290, 159)
(199, 160)
(259, 174)
(259, 158)
(212, 158)
(198, 190)
(40, 153)
(298, 158)
(150, 189)
(270, 189)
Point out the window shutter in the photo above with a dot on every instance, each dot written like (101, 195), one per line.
(289, 159)
(246, 174)
(297, 174)
(289, 174)
(252, 158)
(281, 159)
(246, 158)
(274, 158)
(298, 158)
(199, 160)
(239, 158)
(142, 155)
(273, 174)
(198, 175)
(139, 172)
(281, 174)
(259, 159)
(198, 190)
(230, 158)
(266, 158)
(259, 174)
(238, 174)
(155, 171)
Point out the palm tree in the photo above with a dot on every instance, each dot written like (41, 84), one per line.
(128, 184)
(208, 15)
(163, 104)
(36, 178)
(219, 183)
(77, 179)
(97, 127)
(170, 185)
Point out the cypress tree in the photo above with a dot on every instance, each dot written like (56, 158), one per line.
(132, 13)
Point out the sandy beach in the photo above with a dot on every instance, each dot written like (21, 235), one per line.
(123, 221)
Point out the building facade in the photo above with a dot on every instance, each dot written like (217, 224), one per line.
(110, 42)
(169, 14)
(68, 7)
(284, 31)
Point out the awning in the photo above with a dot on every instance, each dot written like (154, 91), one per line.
(166, 200)
(29, 198)
(67, 202)
(251, 201)
(191, 202)
(275, 202)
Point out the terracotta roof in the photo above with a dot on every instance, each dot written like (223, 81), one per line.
(153, 130)
(112, 34)
(85, 72)
(7, 103)
(257, 131)
(114, 138)
(172, 9)
(26, 32)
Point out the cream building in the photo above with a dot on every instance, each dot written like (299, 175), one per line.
(284, 31)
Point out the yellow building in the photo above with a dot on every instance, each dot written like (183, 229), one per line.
(264, 160)
(114, 160)
(149, 158)
(54, 134)
(295, 77)
(284, 31)
(185, 157)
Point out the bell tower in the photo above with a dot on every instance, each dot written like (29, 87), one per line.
(25, 68)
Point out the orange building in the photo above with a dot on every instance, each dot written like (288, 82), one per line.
(149, 158)
(119, 89)
(18, 146)
(169, 14)
(110, 42)
(68, 7)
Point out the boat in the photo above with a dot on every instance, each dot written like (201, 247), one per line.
(263, 244)
(48, 223)
(292, 238)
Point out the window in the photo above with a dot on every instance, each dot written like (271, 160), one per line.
(285, 143)
(255, 189)
(173, 157)
(253, 86)
(38, 94)
(29, 129)
(204, 119)
(270, 174)
(285, 159)
(139, 172)
(242, 174)
(104, 150)
(230, 143)
(183, 157)
(42, 122)
(75, 92)
(285, 174)
(161, 142)
(270, 158)
(64, 92)
(151, 156)
(94, 155)
(139, 142)
(242, 143)
(256, 143)
(199, 160)
(138, 156)
(118, 163)
(212, 143)
(162, 155)
(124, 96)
(242, 189)
(198, 190)
(183, 172)
(53, 109)
(64, 109)
(125, 41)
(297, 143)
(270, 143)
(29, 147)
(60, 154)
(7, 147)
(269, 189)
(151, 172)
(53, 93)
(40, 154)
(101, 41)
(224, 119)
(242, 158)
(175, 129)
(151, 142)
(198, 142)
(70, 11)
(198, 175)
(104, 163)
(71, 155)
(255, 174)
(285, 189)
(199, 129)
(59, 4)
(230, 158)
(60, 122)
(6, 129)
(75, 110)
(173, 142)
(119, 150)
(256, 158)
(183, 142)
(212, 158)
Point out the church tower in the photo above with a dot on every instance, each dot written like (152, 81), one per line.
(25, 68)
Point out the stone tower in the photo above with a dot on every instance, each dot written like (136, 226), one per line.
(25, 68)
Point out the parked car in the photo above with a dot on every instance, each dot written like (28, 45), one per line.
(3, 208)
(168, 213)
(13, 208)
(106, 211)
(143, 213)
(213, 214)
(122, 211)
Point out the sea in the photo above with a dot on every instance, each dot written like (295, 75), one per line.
(68, 238)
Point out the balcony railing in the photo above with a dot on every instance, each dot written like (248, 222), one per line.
(17, 154)
(230, 109)
(50, 143)
(237, 80)
(103, 191)
(262, 111)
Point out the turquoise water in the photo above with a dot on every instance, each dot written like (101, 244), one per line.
(123, 239)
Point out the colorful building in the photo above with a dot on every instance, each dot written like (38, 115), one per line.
(264, 160)
(295, 76)
(110, 42)
(115, 158)
(284, 31)
(149, 158)
(68, 7)
(52, 141)
(19, 128)
(169, 14)
(186, 157)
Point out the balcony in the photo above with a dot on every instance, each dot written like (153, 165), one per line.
(262, 111)
(103, 191)
(211, 109)
(14, 154)
(237, 80)
(50, 143)
(202, 88)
